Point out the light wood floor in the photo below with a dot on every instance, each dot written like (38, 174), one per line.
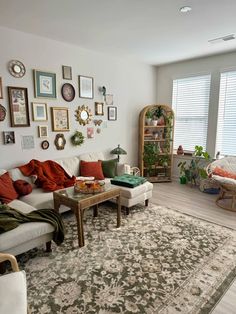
(192, 201)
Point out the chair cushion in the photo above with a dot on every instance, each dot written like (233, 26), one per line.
(13, 293)
(91, 169)
(7, 190)
(128, 180)
(224, 173)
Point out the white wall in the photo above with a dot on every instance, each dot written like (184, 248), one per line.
(208, 65)
(132, 84)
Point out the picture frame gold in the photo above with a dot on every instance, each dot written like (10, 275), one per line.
(43, 131)
(1, 89)
(60, 119)
(67, 72)
(99, 108)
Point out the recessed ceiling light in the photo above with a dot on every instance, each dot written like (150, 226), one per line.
(185, 9)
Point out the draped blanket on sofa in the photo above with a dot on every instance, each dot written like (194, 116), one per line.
(50, 175)
(12, 218)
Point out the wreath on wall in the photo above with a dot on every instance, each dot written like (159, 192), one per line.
(77, 139)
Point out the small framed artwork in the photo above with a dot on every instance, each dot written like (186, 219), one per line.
(109, 99)
(1, 91)
(19, 108)
(112, 113)
(45, 145)
(60, 119)
(66, 72)
(9, 137)
(27, 142)
(43, 131)
(44, 84)
(85, 87)
(90, 132)
(40, 112)
(99, 109)
(68, 92)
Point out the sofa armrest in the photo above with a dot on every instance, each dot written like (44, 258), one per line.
(8, 257)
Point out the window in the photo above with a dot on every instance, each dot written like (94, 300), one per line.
(190, 102)
(226, 126)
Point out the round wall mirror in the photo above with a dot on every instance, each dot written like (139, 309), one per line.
(60, 141)
(83, 115)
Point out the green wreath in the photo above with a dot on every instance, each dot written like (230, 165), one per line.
(77, 139)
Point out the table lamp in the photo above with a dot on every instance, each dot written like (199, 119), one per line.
(118, 151)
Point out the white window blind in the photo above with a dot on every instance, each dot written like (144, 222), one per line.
(190, 102)
(226, 126)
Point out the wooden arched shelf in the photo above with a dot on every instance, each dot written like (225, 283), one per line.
(156, 143)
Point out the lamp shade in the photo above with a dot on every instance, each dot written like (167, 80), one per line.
(118, 151)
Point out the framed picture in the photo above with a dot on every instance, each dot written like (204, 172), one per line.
(99, 109)
(45, 145)
(66, 72)
(27, 142)
(44, 84)
(40, 112)
(60, 119)
(1, 92)
(85, 87)
(109, 99)
(68, 92)
(19, 108)
(112, 113)
(90, 132)
(43, 131)
(9, 137)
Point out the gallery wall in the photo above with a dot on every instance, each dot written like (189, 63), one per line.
(132, 84)
(213, 65)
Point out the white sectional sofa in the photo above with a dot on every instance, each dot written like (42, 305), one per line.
(30, 235)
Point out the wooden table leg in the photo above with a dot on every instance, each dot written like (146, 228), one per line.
(79, 226)
(118, 211)
(95, 210)
(56, 202)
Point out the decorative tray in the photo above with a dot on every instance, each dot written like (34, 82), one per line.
(89, 187)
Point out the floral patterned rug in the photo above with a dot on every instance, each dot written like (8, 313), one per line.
(158, 261)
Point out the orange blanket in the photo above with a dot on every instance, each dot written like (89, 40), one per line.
(50, 175)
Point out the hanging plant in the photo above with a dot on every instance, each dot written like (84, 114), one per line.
(77, 139)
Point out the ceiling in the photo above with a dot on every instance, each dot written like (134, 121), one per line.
(151, 31)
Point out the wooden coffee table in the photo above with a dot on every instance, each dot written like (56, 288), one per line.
(78, 202)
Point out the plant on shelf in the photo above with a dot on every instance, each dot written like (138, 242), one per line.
(150, 155)
(149, 116)
(164, 162)
(159, 113)
(182, 170)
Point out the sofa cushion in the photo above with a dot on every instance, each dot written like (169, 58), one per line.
(13, 293)
(109, 168)
(70, 165)
(22, 187)
(7, 190)
(21, 206)
(23, 233)
(91, 169)
(39, 199)
(16, 174)
(92, 156)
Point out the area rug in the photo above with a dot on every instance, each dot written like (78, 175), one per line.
(158, 261)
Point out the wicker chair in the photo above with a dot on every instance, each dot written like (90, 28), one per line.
(227, 196)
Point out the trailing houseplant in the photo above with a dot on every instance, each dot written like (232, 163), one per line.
(150, 156)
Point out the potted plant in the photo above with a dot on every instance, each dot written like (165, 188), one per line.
(149, 116)
(183, 172)
(150, 157)
(159, 114)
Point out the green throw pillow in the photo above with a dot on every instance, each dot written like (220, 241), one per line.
(109, 168)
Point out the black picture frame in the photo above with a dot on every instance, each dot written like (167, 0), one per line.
(112, 113)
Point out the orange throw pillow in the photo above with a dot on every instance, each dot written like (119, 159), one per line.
(223, 173)
(91, 169)
(7, 190)
(23, 187)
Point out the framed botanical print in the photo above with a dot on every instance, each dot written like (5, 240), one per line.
(85, 87)
(44, 84)
(99, 109)
(19, 108)
(66, 72)
(1, 92)
(39, 111)
(43, 131)
(60, 119)
(112, 113)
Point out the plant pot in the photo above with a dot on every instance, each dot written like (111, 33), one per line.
(183, 180)
(154, 122)
(161, 121)
(148, 121)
